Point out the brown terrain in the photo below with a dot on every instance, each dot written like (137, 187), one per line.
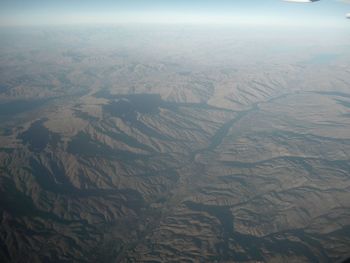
(174, 145)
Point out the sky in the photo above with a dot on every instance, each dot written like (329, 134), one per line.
(242, 12)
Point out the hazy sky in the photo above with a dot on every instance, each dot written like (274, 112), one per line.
(265, 12)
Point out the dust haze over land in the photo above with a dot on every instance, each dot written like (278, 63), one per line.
(184, 143)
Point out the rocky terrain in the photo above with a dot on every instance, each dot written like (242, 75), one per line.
(173, 145)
